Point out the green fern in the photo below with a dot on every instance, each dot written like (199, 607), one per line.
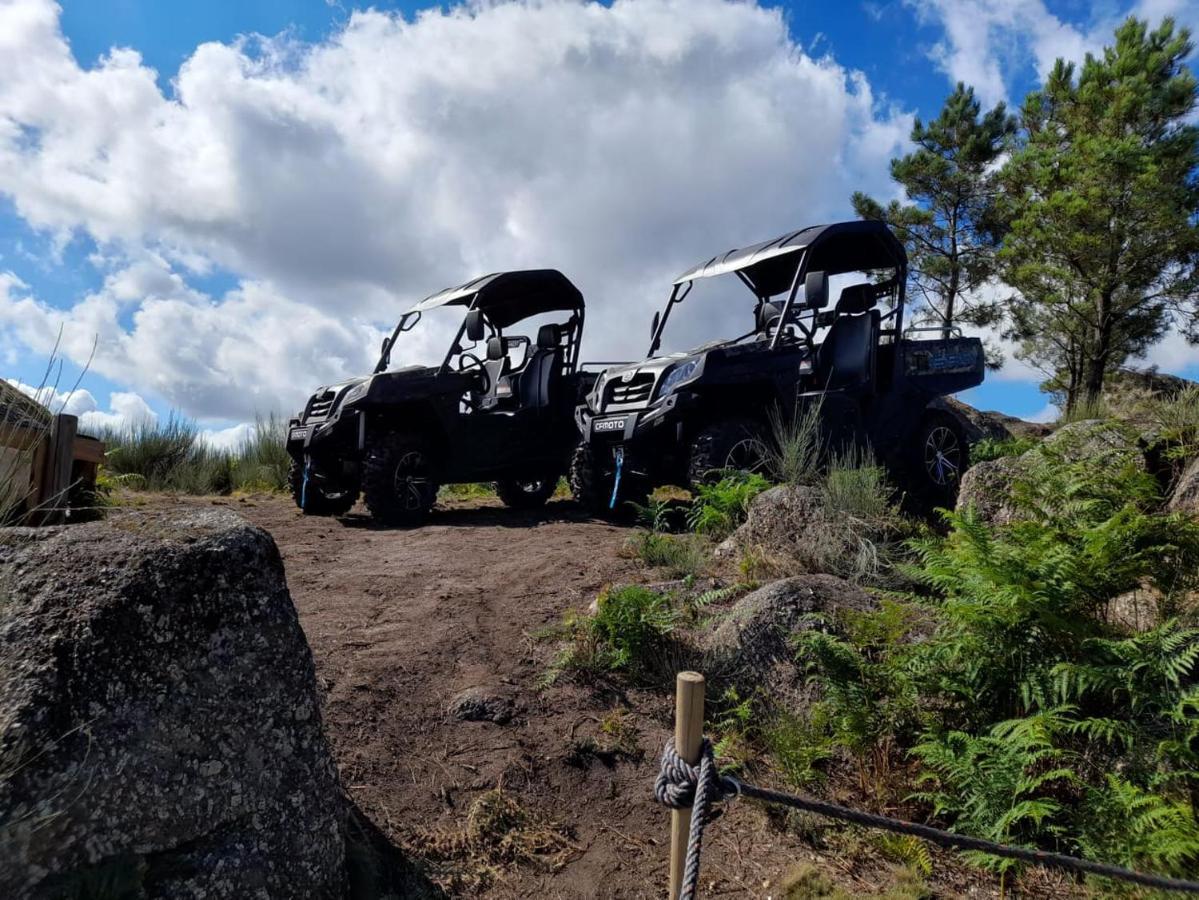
(1135, 828)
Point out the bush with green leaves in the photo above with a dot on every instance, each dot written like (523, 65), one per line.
(629, 632)
(855, 486)
(990, 448)
(171, 455)
(676, 555)
(1032, 709)
(717, 509)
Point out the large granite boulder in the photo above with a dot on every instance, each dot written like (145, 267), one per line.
(754, 637)
(789, 531)
(159, 720)
(987, 488)
(1104, 444)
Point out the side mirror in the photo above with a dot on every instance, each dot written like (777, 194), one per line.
(474, 325)
(383, 348)
(653, 325)
(815, 290)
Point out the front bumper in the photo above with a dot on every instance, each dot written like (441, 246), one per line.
(652, 439)
(343, 434)
(633, 425)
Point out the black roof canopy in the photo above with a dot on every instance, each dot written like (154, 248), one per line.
(510, 297)
(840, 247)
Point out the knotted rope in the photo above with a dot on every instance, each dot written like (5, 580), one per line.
(680, 785)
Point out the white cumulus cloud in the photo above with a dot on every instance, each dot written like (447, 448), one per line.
(988, 44)
(340, 181)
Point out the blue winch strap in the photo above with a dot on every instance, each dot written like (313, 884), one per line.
(304, 485)
(616, 480)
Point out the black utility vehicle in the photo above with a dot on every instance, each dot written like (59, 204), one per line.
(498, 408)
(679, 419)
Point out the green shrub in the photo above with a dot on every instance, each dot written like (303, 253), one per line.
(628, 633)
(678, 556)
(1137, 829)
(794, 450)
(630, 623)
(855, 486)
(868, 702)
(474, 491)
(798, 747)
(720, 507)
(995, 448)
(155, 451)
(1001, 786)
(1178, 418)
(1012, 683)
(261, 462)
(170, 455)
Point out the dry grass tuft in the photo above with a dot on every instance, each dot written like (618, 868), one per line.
(497, 836)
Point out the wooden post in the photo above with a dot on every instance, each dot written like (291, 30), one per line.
(688, 733)
(56, 482)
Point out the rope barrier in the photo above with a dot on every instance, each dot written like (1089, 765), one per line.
(680, 785)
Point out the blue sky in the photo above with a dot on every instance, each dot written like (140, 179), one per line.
(64, 248)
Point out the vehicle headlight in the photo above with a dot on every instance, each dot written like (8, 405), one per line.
(597, 391)
(678, 375)
(357, 392)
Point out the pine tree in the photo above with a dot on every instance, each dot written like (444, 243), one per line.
(950, 227)
(1103, 242)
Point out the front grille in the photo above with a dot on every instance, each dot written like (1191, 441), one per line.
(320, 406)
(624, 393)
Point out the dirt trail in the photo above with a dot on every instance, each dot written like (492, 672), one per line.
(399, 621)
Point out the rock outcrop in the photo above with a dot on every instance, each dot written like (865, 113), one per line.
(159, 719)
(753, 638)
(987, 486)
(1185, 495)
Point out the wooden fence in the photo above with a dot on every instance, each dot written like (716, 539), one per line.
(45, 464)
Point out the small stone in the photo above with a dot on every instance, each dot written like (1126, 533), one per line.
(479, 704)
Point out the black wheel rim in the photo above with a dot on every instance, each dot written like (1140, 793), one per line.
(411, 482)
(942, 456)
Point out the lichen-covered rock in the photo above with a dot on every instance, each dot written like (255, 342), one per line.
(987, 486)
(753, 638)
(159, 719)
(1185, 496)
(1103, 444)
(790, 530)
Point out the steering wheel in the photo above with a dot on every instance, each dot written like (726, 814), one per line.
(475, 364)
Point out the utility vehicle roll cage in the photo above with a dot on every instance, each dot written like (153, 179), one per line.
(499, 301)
(783, 264)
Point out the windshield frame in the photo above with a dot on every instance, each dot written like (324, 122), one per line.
(680, 290)
(415, 316)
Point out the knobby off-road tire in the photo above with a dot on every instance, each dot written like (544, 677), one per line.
(313, 501)
(726, 444)
(398, 480)
(939, 458)
(527, 494)
(590, 488)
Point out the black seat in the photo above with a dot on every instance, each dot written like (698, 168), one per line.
(767, 314)
(538, 381)
(496, 366)
(846, 358)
